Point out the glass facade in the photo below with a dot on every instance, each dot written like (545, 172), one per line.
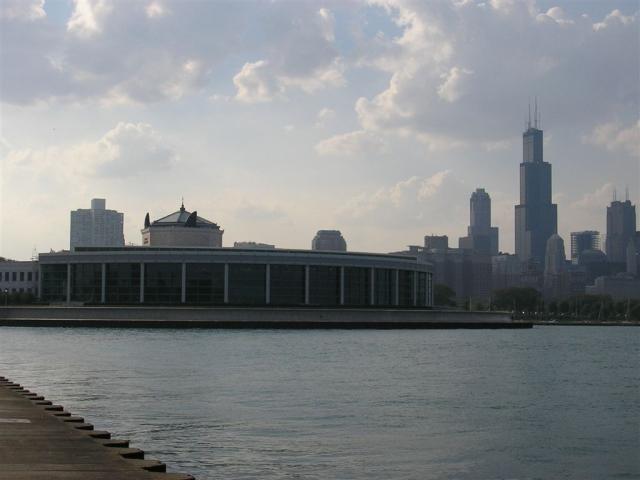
(162, 283)
(287, 284)
(86, 282)
(324, 285)
(247, 284)
(205, 283)
(405, 287)
(385, 286)
(54, 283)
(357, 286)
(422, 289)
(122, 283)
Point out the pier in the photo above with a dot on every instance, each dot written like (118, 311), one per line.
(43, 441)
(256, 317)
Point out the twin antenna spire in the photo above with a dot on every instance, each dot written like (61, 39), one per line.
(537, 120)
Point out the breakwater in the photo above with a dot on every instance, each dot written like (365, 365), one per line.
(40, 440)
(244, 317)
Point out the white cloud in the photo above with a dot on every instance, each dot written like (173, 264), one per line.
(324, 116)
(615, 137)
(254, 83)
(28, 10)
(88, 16)
(452, 88)
(127, 150)
(353, 143)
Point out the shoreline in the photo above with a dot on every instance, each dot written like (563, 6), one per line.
(258, 317)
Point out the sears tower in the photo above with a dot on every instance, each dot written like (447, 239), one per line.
(536, 216)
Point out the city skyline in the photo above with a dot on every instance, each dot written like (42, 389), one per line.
(315, 129)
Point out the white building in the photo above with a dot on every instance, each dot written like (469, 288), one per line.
(96, 226)
(18, 277)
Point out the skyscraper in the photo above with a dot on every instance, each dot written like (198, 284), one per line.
(96, 226)
(482, 237)
(536, 217)
(621, 227)
(329, 240)
(581, 241)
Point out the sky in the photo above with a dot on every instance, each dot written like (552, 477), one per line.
(279, 118)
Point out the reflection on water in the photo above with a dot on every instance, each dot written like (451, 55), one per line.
(552, 402)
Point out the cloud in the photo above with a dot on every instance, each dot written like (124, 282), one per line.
(254, 83)
(324, 116)
(26, 10)
(88, 17)
(460, 70)
(350, 144)
(615, 137)
(125, 151)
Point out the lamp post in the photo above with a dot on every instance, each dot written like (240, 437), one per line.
(6, 297)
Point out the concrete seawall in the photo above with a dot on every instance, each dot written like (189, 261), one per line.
(237, 317)
(42, 441)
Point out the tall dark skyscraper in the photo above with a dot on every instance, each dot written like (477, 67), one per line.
(621, 228)
(536, 217)
(482, 237)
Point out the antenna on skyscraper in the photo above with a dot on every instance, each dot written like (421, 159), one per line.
(535, 112)
(626, 193)
(529, 117)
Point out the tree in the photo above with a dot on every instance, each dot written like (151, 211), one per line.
(517, 298)
(443, 296)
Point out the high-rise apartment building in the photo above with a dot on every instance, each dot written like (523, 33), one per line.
(621, 228)
(536, 218)
(582, 241)
(482, 238)
(329, 240)
(96, 226)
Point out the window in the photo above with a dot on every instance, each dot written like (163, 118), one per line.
(385, 286)
(54, 283)
(29, 276)
(22, 276)
(122, 283)
(422, 289)
(205, 283)
(247, 284)
(14, 276)
(86, 282)
(324, 285)
(162, 283)
(357, 286)
(405, 287)
(287, 284)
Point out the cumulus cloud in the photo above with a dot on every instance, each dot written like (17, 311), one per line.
(144, 52)
(461, 70)
(127, 150)
(615, 137)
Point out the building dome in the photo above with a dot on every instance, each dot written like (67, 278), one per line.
(181, 229)
(181, 218)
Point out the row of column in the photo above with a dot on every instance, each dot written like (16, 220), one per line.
(183, 293)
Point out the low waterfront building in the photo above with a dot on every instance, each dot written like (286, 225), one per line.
(232, 276)
(254, 245)
(619, 287)
(18, 277)
(181, 229)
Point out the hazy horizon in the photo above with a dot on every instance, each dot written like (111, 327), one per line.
(277, 119)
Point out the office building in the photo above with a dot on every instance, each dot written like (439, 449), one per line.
(181, 229)
(481, 237)
(581, 241)
(329, 240)
(19, 277)
(556, 278)
(621, 227)
(96, 226)
(536, 218)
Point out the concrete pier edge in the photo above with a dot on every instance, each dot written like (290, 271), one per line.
(134, 457)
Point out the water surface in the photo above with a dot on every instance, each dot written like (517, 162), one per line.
(551, 402)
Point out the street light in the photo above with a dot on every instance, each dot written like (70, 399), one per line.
(6, 297)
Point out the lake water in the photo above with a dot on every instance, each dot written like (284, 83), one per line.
(551, 402)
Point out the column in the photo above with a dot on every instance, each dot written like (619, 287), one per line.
(141, 282)
(306, 284)
(68, 283)
(396, 300)
(341, 285)
(183, 287)
(226, 283)
(372, 291)
(415, 288)
(267, 287)
(103, 284)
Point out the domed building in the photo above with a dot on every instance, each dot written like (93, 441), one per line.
(181, 229)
